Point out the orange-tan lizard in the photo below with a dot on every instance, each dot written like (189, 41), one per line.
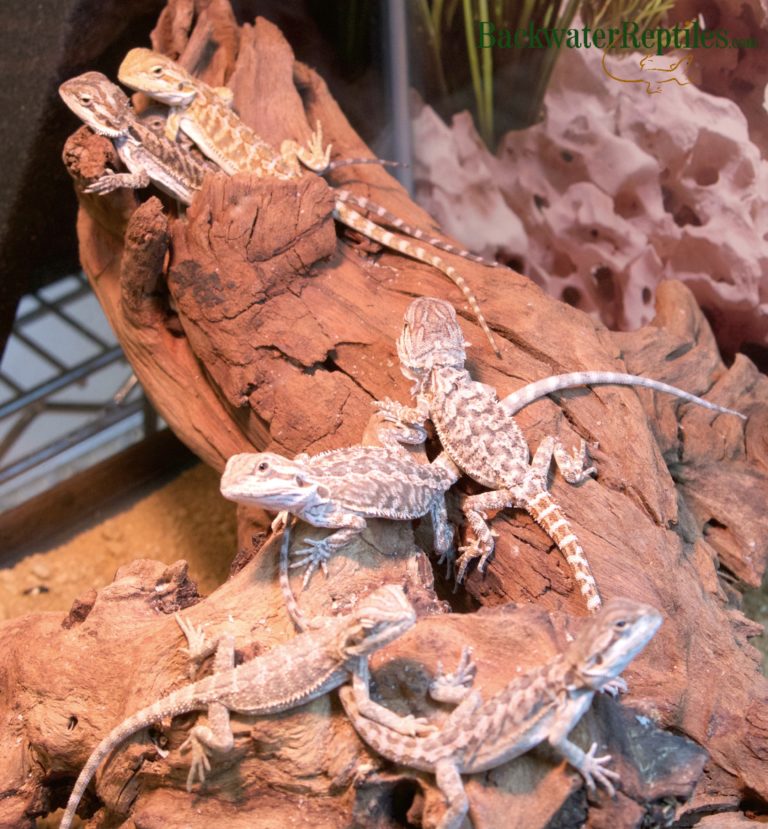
(204, 113)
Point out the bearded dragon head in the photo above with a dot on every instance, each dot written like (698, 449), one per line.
(611, 639)
(430, 338)
(271, 482)
(99, 103)
(158, 76)
(380, 618)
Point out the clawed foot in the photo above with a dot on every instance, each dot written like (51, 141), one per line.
(104, 184)
(574, 467)
(412, 726)
(200, 765)
(614, 687)
(475, 549)
(448, 687)
(315, 555)
(198, 647)
(593, 771)
(582, 457)
(586, 473)
(468, 555)
(314, 156)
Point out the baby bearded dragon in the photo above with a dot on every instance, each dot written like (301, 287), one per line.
(542, 705)
(204, 113)
(104, 108)
(482, 439)
(303, 669)
(340, 488)
(142, 145)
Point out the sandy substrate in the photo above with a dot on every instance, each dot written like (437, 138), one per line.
(186, 519)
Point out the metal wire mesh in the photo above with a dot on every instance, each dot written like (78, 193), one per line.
(67, 394)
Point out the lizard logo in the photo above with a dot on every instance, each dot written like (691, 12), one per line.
(654, 71)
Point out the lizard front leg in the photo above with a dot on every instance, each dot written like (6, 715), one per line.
(406, 415)
(114, 181)
(313, 156)
(361, 690)
(319, 550)
(394, 434)
(217, 735)
(573, 467)
(451, 785)
(533, 496)
(591, 768)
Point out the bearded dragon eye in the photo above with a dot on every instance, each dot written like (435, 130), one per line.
(263, 466)
(620, 624)
(85, 99)
(157, 70)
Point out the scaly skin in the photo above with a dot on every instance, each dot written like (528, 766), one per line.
(289, 675)
(542, 705)
(341, 489)
(205, 115)
(479, 434)
(104, 108)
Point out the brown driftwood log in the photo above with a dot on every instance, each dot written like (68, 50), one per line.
(251, 324)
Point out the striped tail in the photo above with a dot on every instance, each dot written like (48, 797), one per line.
(395, 221)
(548, 515)
(353, 219)
(178, 702)
(512, 403)
(349, 162)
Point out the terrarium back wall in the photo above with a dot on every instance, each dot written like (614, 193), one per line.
(634, 164)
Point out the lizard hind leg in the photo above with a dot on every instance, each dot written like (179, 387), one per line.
(450, 784)
(217, 735)
(535, 498)
(314, 156)
(475, 509)
(573, 467)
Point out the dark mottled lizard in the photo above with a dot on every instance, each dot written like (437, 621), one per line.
(149, 157)
(542, 705)
(479, 434)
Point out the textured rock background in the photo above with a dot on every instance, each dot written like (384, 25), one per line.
(613, 192)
